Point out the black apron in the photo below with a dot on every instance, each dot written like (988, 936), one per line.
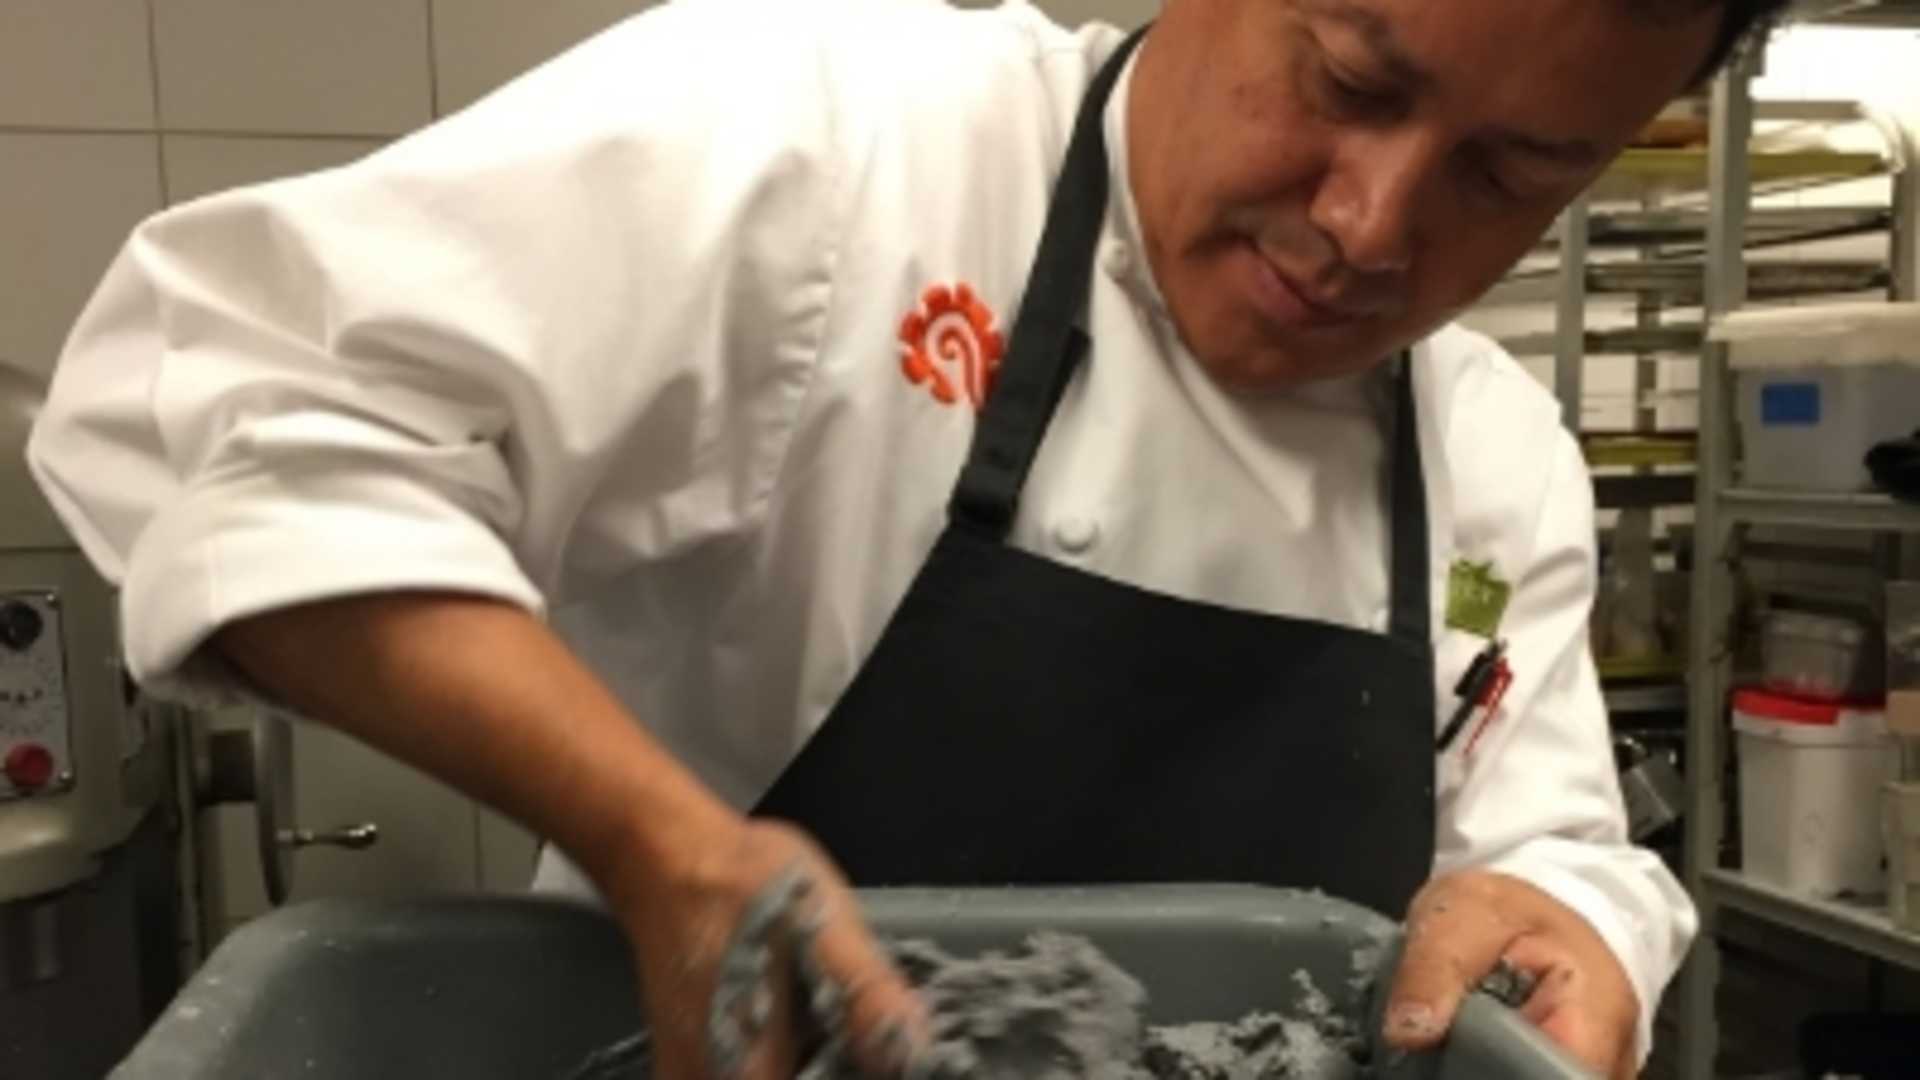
(1025, 722)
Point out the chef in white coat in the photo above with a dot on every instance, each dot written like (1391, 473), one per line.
(694, 450)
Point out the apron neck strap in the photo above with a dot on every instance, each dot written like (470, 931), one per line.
(1048, 342)
(1410, 614)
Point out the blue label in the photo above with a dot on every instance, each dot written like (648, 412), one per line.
(1790, 404)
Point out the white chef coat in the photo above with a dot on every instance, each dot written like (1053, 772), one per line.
(624, 344)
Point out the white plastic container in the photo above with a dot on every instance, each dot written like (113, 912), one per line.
(1821, 657)
(1810, 792)
(1900, 825)
(1820, 385)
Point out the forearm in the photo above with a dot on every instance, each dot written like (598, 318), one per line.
(484, 696)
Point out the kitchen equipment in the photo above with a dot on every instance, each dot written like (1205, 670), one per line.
(526, 988)
(1822, 657)
(89, 882)
(1809, 777)
(1650, 784)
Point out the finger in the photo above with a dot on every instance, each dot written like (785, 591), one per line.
(750, 1032)
(749, 1023)
(774, 1052)
(1562, 1004)
(678, 1030)
(1455, 936)
(856, 988)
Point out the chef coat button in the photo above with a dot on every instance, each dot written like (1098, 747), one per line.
(1076, 534)
(1119, 260)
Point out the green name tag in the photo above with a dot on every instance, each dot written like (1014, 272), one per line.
(1476, 598)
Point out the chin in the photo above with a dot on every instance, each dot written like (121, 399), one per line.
(1265, 367)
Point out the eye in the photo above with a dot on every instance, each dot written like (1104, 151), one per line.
(1496, 185)
(1484, 176)
(1350, 97)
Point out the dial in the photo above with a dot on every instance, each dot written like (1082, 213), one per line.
(20, 626)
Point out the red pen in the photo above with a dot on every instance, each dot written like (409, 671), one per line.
(1496, 692)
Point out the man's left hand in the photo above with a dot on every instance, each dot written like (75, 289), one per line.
(1461, 926)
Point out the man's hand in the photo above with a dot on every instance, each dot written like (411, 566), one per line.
(725, 937)
(726, 915)
(1464, 924)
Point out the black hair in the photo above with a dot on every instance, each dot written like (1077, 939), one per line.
(1738, 18)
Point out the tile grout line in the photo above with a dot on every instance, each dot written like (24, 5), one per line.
(207, 133)
(153, 76)
(433, 63)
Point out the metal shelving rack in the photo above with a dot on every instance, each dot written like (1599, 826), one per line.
(1643, 206)
(1723, 512)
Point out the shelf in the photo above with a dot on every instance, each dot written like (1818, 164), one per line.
(1682, 282)
(1764, 227)
(1650, 667)
(1628, 341)
(1862, 928)
(1865, 511)
(1690, 164)
(1659, 697)
(1638, 170)
(1679, 338)
(1857, 12)
(1640, 492)
(1637, 449)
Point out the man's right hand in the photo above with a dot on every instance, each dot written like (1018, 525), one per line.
(746, 914)
(485, 697)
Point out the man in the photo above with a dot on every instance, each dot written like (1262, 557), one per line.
(1155, 555)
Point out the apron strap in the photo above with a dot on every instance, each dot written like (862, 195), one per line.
(1048, 342)
(1410, 613)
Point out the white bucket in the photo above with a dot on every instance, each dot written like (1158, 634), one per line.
(1810, 792)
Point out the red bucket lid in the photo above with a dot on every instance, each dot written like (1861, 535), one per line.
(1792, 710)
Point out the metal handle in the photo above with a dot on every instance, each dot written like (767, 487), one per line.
(256, 766)
(352, 837)
(1635, 750)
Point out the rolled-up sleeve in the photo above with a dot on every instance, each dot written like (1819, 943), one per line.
(1540, 799)
(596, 295)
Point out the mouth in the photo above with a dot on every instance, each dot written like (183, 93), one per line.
(1286, 301)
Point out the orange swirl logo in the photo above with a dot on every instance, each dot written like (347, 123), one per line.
(949, 345)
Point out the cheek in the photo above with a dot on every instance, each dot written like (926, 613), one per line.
(1462, 259)
(1268, 142)
(1242, 142)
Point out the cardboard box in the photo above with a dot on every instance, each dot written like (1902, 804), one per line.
(1903, 713)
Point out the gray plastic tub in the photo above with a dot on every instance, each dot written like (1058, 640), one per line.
(523, 989)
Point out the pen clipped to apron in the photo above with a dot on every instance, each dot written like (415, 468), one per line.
(1480, 689)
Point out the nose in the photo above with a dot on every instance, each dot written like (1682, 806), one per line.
(1368, 199)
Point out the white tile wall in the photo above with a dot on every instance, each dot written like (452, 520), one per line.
(474, 52)
(343, 67)
(199, 165)
(75, 64)
(67, 201)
